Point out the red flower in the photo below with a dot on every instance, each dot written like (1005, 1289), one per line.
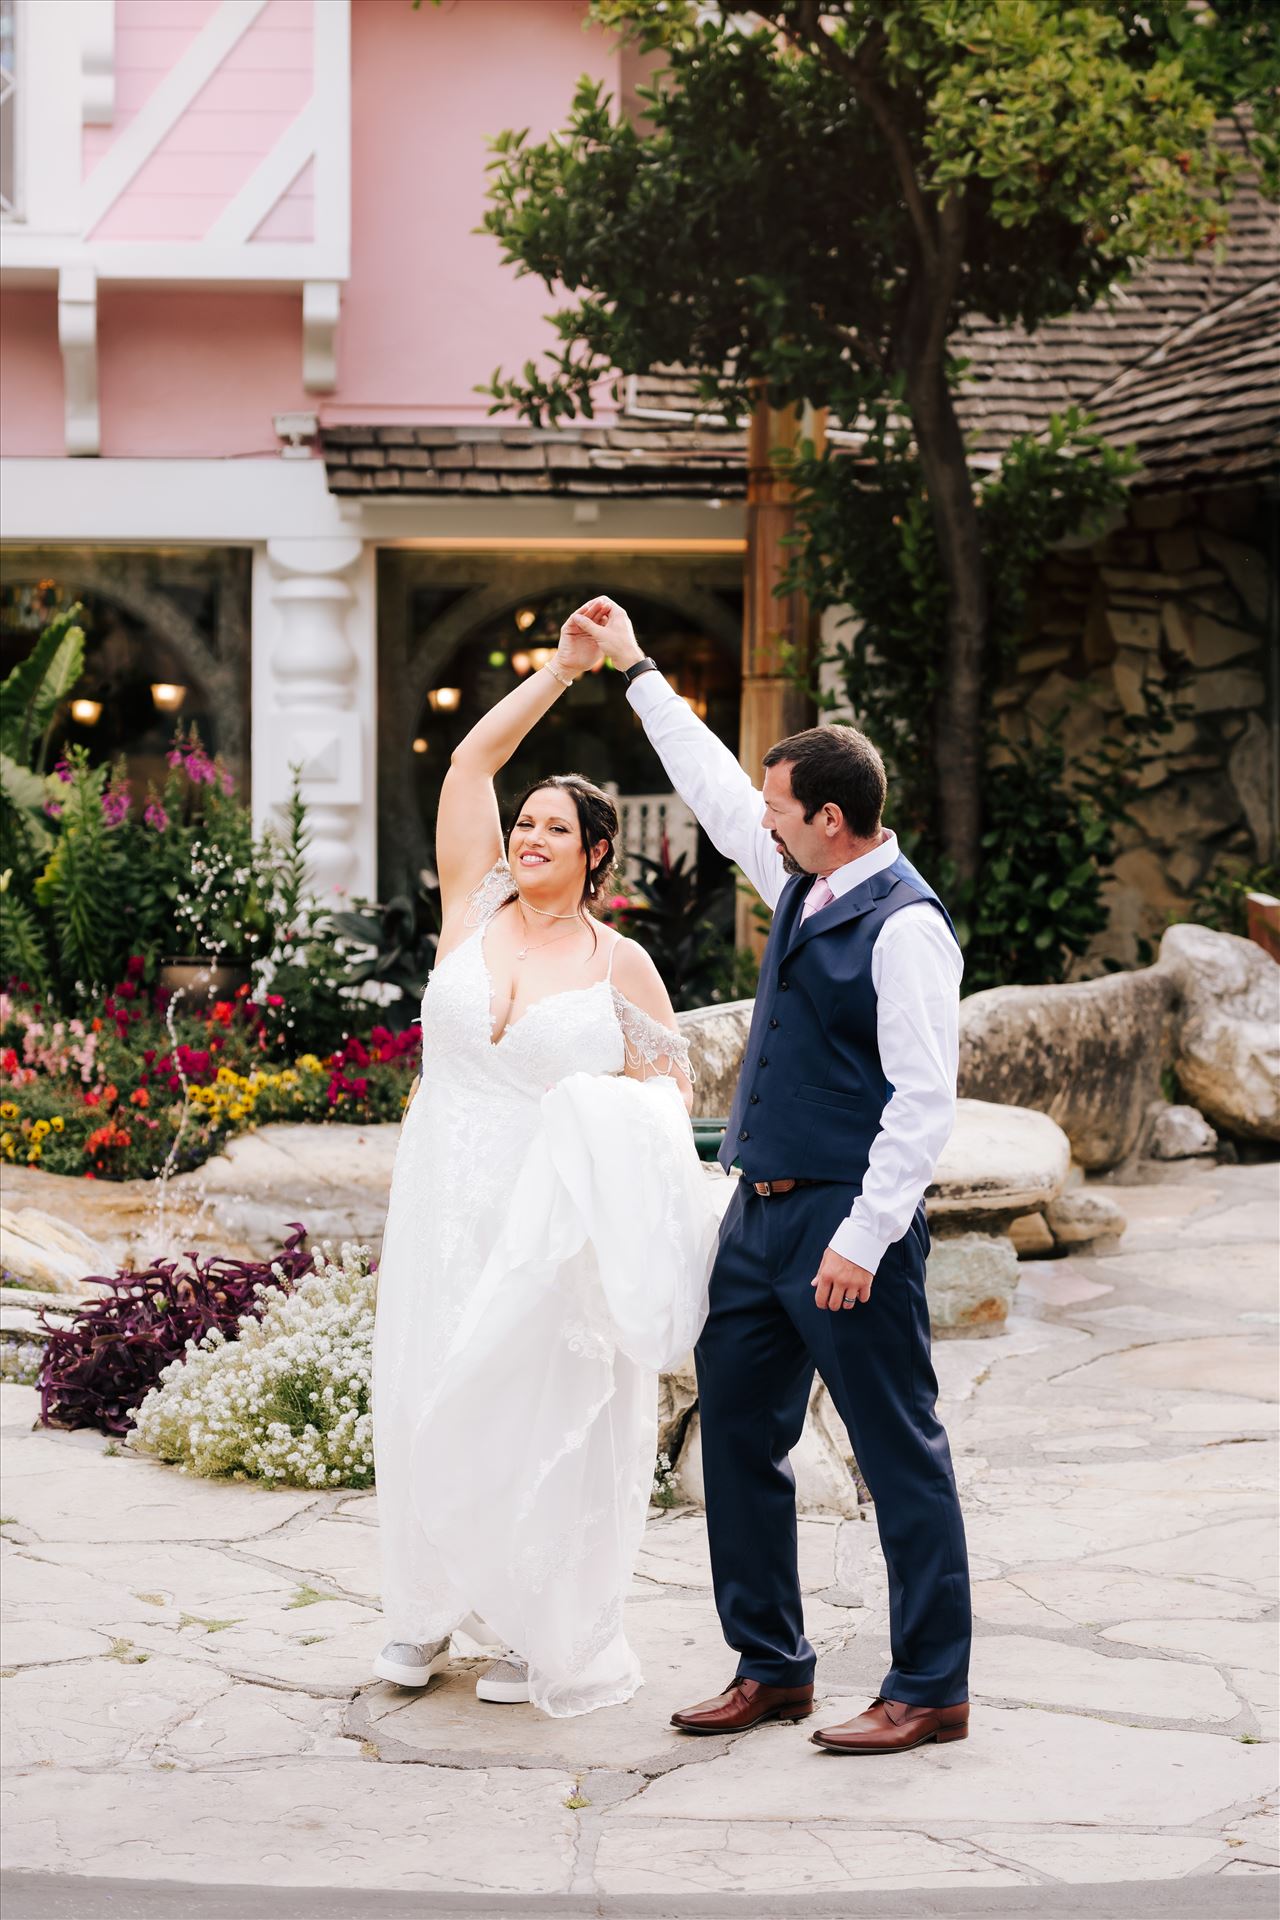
(140, 1097)
(110, 1093)
(275, 999)
(136, 965)
(92, 1098)
(222, 1012)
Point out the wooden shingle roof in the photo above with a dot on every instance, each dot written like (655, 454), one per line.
(1182, 361)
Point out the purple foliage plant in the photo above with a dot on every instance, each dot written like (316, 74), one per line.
(101, 1366)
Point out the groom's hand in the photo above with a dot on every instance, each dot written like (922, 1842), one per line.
(840, 1282)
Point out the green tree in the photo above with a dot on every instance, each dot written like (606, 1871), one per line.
(820, 191)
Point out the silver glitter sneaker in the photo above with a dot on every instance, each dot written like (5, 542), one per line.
(408, 1664)
(506, 1682)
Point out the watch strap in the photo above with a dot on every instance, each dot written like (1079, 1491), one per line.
(647, 665)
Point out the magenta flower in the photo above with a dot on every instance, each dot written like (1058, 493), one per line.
(54, 809)
(63, 771)
(115, 805)
(155, 816)
(174, 756)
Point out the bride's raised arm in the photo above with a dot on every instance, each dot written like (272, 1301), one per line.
(468, 827)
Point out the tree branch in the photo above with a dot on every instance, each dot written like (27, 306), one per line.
(809, 32)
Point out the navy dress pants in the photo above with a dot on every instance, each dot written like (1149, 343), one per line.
(763, 1340)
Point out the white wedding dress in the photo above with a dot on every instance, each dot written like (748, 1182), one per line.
(548, 1243)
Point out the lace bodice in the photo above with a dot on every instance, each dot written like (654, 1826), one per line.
(593, 1029)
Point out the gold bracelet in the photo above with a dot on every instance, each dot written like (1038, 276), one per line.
(551, 668)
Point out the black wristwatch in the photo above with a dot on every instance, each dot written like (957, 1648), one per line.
(647, 665)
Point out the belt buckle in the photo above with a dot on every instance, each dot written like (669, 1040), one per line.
(764, 1188)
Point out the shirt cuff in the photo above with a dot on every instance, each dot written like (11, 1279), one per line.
(852, 1241)
(648, 691)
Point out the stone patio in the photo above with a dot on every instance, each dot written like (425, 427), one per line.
(186, 1664)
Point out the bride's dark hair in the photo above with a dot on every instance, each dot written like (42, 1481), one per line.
(597, 821)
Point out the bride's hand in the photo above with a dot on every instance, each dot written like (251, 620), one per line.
(579, 649)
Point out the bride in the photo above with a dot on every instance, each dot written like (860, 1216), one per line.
(547, 1246)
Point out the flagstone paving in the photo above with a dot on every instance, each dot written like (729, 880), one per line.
(186, 1665)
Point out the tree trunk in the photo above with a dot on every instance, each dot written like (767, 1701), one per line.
(958, 718)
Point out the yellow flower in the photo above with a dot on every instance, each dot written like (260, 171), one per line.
(57, 1123)
(226, 1076)
(40, 1129)
(8, 1109)
(6, 1140)
(34, 1154)
(310, 1063)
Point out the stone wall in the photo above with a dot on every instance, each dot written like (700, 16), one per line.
(1184, 578)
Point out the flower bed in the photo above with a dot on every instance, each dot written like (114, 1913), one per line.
(133, 1086)
(287, 1399)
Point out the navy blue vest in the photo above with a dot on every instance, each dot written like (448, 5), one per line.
(812, 1089)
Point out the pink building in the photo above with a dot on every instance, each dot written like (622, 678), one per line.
(245, 313)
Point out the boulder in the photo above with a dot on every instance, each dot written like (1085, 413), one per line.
(970, 1281)
(1227, 1050)
(1001, 1161)
(1083, 1216)
(1088, 1054)
(1180, 1133)
(717, 1038)
(45, 1253)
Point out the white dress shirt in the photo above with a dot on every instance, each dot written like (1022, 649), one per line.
(916, 968)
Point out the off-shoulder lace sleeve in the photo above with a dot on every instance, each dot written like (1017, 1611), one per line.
(648, 1042)
(494, 891)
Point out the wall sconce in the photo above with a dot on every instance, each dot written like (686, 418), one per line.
(420, 745)
(167, 695)
(444, 699)
(521, 663)
(86, 713)
(525, 617)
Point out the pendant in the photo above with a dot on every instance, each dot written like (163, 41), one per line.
(522, 954)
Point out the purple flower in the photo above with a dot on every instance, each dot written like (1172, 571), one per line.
(174, 756)
(54, 809)
(63, 771)
(228, 781)
(115, 805)
(155, 816)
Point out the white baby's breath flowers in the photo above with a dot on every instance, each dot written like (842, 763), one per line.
(288, 1400)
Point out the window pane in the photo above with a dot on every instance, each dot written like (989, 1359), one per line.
(8, 106)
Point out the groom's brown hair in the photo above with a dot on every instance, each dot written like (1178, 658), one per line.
(835, 765)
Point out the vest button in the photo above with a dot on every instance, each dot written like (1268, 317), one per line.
(755, 1099)
(764, 1059)
(744, 1135)
(773, 1023)
(783, 985)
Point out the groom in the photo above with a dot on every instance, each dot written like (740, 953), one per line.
(845, 1100)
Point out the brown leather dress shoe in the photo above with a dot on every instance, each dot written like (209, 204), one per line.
(891, 1726)
(743, 1704)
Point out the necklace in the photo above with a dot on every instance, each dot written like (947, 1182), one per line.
(522, 953)
(527, 906)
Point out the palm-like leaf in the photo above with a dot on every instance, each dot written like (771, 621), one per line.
(30, 695)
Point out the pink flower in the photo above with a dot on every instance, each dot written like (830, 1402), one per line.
(115, 805)
(174, 756)
(155, 816)
(54, 809)
(63, 771)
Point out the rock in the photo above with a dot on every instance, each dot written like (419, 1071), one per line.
(820, 1462)
(1227, 1055)
(717, 1038)
(1001, 1161)
(1248, 766)
(677, 1397)
(1228, 690)
(1180, 1133)
(970, 1281)
(1088, 1054)
(1029, 1236)
(1083, 1216)
(49, 1254)
(1133, 629)
(1214, 642)
(1244, 566)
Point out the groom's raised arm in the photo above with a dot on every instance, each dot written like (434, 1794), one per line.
(709, 781)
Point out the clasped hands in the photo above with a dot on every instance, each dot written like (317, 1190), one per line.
(597, 630)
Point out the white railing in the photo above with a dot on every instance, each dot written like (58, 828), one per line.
(646, 818)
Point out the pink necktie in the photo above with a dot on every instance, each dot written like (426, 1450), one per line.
(818, 897)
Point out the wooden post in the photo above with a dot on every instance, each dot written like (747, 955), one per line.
(777, 632)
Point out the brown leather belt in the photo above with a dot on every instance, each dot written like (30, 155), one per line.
(768, 1188)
